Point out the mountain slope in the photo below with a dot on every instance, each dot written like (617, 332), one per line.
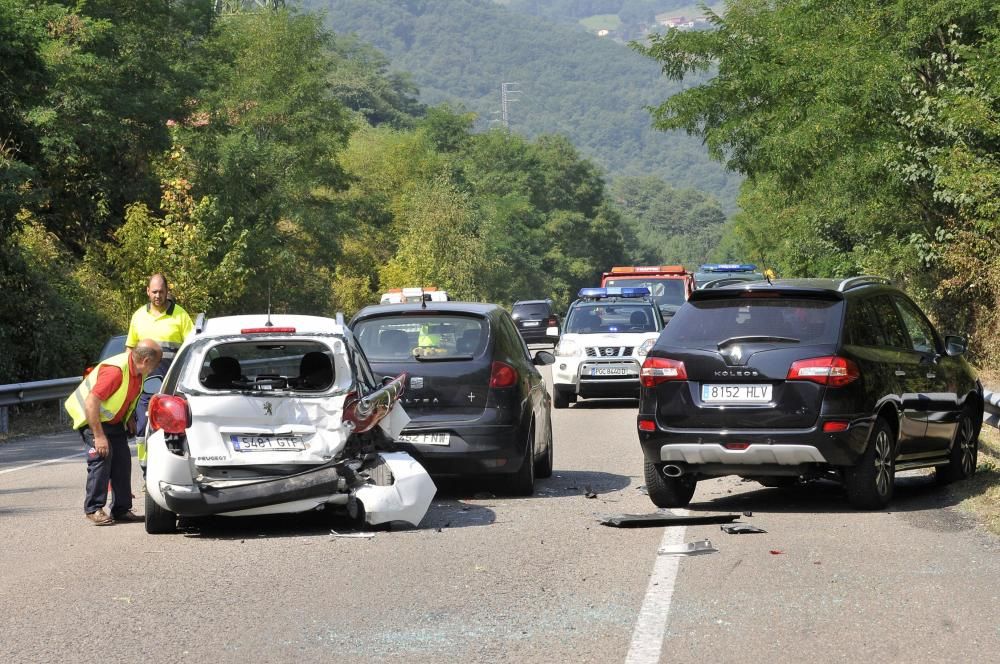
(594, 91)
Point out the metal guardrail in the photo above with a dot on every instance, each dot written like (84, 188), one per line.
(39, 390)
(991, 408)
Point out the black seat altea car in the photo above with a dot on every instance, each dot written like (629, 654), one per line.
(809, 378)
(477, 403)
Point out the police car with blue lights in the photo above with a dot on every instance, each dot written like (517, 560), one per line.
(605, 338)
(714, 275)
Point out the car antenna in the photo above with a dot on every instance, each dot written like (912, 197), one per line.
(423, 300)
(268, 323)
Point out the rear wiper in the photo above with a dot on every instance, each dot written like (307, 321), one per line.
(752, 339)
(441, 358)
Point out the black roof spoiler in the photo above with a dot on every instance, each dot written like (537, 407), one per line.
(762, 290)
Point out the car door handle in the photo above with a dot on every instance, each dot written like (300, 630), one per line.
(900, 373)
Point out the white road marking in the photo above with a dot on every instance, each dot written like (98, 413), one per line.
(650, 626)
(40, 463)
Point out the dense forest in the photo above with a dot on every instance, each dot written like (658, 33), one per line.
(596, 92)
(256, 154)
(869, 134)
(268, 152)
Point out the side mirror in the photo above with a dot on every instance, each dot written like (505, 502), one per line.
(542, 358)
(552, 332)
(152, 384)
(955, 345)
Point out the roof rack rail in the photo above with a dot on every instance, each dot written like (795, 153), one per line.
(863, 280)
(199, 323)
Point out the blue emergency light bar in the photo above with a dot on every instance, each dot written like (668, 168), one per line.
(613, 291)
(728, 267)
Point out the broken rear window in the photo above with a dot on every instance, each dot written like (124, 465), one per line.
(306, 366)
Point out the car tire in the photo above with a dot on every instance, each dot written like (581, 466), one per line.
(964, 453)
(668, 491)
(522, 483)
(869, 483)
(158, 520)
(560, 398)
(543, 468)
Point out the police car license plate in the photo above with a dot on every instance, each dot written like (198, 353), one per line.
(266, 443)
(715, 393)
(427, 438)
(609, 371)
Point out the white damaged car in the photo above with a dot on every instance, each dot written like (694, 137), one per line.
(278, 414)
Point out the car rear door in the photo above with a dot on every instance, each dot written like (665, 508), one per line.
(939, 403)
(907, 367)
(737, 350)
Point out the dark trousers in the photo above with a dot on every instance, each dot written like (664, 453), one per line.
(117, 467)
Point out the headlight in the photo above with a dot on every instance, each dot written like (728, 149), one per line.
(567, 348)
(646, 346)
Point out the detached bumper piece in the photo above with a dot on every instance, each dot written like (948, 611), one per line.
(323, 481)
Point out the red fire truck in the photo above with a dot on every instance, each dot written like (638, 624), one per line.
(670, 285)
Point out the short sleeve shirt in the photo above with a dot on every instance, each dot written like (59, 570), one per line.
(109, 379)
(167, 329)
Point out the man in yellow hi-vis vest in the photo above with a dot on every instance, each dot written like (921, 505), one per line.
(166, 323)
(102, 410)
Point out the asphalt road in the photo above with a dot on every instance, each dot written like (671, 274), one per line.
(498, 579)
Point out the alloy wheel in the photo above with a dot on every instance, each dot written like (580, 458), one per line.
(968, 445)
(883, 463)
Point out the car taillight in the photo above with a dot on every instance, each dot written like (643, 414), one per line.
(656, 370)
(552, 322)
(647, 425)
(832, 371)
(169, 413)
(503, 375)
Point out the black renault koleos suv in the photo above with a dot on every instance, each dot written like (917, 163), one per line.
(802, 379)
(476, 400)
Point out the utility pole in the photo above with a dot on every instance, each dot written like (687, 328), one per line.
(239, 6)
(505, 99)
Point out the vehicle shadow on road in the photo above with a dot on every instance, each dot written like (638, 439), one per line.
(600, 404)
(912, 493)
(306, 524)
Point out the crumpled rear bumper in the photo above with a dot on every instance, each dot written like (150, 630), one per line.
(406, 499)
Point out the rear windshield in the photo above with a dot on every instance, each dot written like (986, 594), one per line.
(664, 291)
(430, 337)
(536, 310)
(707, 323)
(601, 317)
(275, 365)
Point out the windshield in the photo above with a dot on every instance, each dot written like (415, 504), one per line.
(428, 337)
(707, 324)
(702, 278)
(663, 290)
(603, 317)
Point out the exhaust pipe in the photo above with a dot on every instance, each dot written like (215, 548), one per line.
(672, 470)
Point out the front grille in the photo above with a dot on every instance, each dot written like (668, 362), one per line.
(609, 351)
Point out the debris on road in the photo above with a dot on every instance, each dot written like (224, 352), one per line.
(665, 518)
(355, 535)
(689, 549)
(776, 552)
(748, 513)
(589, 493)
(741, 529)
